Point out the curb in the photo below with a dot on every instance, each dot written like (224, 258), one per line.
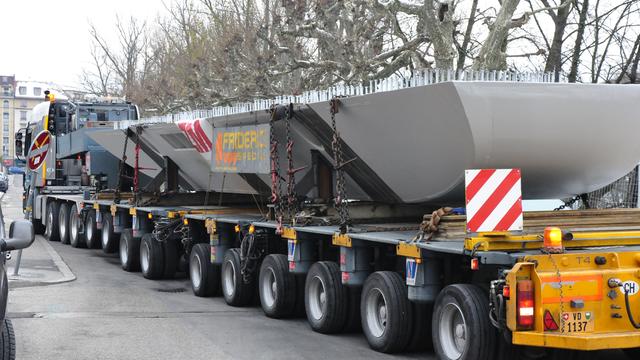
(67, 274)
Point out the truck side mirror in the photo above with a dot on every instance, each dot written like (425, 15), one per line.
(18, 147)
(21, 236)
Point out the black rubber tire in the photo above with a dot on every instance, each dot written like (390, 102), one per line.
(282, 303)
(38, 227)
(129, 251)
(207, 273)
(333, 315)
(153, 267)
(76, 240)
(421, 333)
(390, 288)
(171, 258)
(235, 291)
(108, 239)
(7, 341)
(63, 222)
(91, 233)
(474, 307)
(51, 232)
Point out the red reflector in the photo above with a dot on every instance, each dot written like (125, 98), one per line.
(345, 277)
(525, 314)
(475, 264)
(292, 265)
(549, 322)
(506, 291)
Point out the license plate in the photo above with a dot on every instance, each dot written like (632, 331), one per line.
(577, 322)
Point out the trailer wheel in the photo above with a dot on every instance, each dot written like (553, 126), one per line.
(236, 292)
(205, 276)
(171, 258)
(51, 232)
(277, 287)
(74, 228)
(129, 251)
(387, 316)
(63, 222)
(109, 239)
(7, 341)
(151, 257)
(91, 231)
(460, 327)
(38, 227)
(325, 298)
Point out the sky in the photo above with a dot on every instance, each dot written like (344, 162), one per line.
(49, 40)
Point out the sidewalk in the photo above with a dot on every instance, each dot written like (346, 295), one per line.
(40, 263)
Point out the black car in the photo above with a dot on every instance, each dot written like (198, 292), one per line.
(4, 183)
(21, 236)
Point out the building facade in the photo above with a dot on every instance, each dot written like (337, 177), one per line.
(7, 99)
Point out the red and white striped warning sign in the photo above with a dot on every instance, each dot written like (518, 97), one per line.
(494, 200)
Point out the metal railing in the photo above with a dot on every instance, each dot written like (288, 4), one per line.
(396, 82)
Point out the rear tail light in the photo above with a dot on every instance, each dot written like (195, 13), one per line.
(525, 300)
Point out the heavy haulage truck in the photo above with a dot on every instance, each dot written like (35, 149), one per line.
(315, 205)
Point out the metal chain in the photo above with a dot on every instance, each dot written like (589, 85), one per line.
(276, 191)
(559, 275)
(340, 201)
(291, 180)
(568, 203)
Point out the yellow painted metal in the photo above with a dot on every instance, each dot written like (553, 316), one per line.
(507, 242)
(586, 342)
(562, 279)
(408, 250)
(341, 240)
(210, 224)
(114, 209)
(288, 233)
(96, 206)
(132, 211)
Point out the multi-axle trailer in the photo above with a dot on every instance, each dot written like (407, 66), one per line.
(343, 244)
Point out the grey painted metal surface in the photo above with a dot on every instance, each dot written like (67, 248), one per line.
(412, 145)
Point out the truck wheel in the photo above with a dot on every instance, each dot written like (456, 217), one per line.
(38, 227)
(109, 239)
(205, 276)
(7, 341)
(51, 232)
(151, 257)
(236, 292)
(460, 327)
(277, 287)
(129, 251)
(63, 222)
(171, 258)
(91, 230)
(325, 298)
(386, 312)
(74, 228)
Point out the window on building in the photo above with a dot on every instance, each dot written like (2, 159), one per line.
(6, 91)
(5, 116)
(23, 103)
(22, 90)
(5, 127)
(5, 103)
(37, 91)
(23, 115)
(5, 140)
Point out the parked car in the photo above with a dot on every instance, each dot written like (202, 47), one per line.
(4, 183)
(15, 170)
(21, 236)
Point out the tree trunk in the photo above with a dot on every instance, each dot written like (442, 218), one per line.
(554, 60)
(462, 51)
(491, 56)
(575, 58)
(440, 31)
